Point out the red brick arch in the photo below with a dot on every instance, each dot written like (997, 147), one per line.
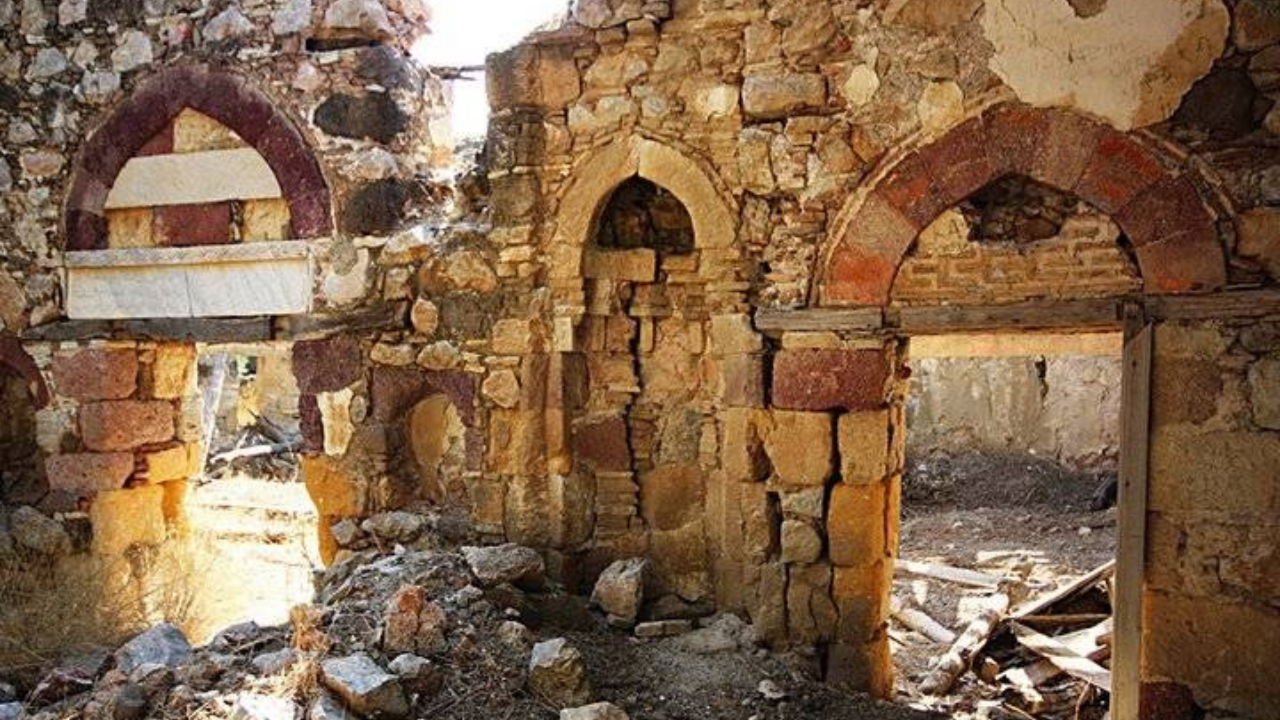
(1173, 233)
(222, 96)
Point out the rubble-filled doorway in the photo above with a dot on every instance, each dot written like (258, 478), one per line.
(644, 333)
(1009, 494)
(20, 481)
(250, 509)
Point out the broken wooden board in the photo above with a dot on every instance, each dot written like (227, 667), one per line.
(946, 573)
(1063, 656)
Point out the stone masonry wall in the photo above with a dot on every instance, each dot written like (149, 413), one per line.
(1213, 523)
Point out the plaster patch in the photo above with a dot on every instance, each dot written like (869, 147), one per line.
(1102, 64)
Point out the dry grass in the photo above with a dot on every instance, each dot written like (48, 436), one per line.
(49, 610)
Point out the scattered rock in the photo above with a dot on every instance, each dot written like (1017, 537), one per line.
(227, 25)
(509, 563)
(97, 87)
(1257, 24)
(515, 636)
(619, 590)
(365, 687)
(595, 711)
(770, 690)
(132, 52)
(236, 635)
(12, 711)
(294, 17)
(364, 17)
(163, 645)
(557, 674)
(35, 531)
(396, 526)
(328, 707)
(417, 674)
(663, 628)
(252, 706)
(346, 532)
(274, 663)
(726, 634)
(49, 62)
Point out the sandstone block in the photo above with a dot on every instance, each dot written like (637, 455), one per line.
(602, 443)
(768, 609)
(1214, 471)
(124, 518)
(734, 334)
(175, 463)
(811, 614)
(334, 489)
(173, 371)
(742, 453)
(619, 590)
(862, 598)
(516, 444)
(671, 495)
(502, 388)
(96, 374)
(558, 675)
(830, 379)
(864, 667)
(125, 424)
(864, 446)
(86, 474)
(801, 542)
(800, 446)
(778, 95)
(1264, 392)
(856, 524)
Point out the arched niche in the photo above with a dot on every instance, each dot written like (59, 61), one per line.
(142, 120)
(1173, 232)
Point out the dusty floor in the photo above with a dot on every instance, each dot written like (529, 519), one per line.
(1002, 515)
(256, 552)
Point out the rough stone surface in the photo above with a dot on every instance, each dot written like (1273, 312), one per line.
(163, 644)
(594, 711)
(113, 425)
(38, 533)
(829, 379)
(507, 563)
(619, 590)
(86, 474)
(557, 674)
(96, 374)
(365, 686)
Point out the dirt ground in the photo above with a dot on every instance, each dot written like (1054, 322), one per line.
(998, 514)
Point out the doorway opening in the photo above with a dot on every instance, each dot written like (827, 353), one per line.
(1009, 494)
(249, 509)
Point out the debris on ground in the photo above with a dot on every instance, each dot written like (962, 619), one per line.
(433, 630)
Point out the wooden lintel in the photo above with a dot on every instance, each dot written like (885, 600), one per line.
(379, 317)
(1090, 314)
(207, 330)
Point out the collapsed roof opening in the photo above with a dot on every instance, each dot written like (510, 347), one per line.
(640, 214)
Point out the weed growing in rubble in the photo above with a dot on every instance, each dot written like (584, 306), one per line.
(51, 610)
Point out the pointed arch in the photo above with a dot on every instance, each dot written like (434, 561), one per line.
(226, 98)
(1173, 232)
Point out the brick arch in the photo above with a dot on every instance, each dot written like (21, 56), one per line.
(13, 358)
(227, 98)
(1173, 233)
(595, 178)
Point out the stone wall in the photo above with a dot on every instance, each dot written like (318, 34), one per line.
(1065, 408)
(1213, 523)
(475, 343)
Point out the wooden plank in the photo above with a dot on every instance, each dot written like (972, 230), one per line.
(1135, 422)
(1073, 664)
(772, 321)
(1092, 313)
(1087, 314)
(210, 330)
(1093, 577)
(946, 573)
(377, 317)
(922, 623)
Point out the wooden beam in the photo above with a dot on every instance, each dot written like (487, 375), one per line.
(773, 321)
(378, 317)
(209, 330)
(1135, 426)
(1088, 314)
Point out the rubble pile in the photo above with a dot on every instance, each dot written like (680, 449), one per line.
(419, 629)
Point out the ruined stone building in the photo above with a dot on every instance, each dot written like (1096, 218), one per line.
(670, 314)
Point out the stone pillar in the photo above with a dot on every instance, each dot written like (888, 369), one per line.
(1212, 582)
(122, 437)
(837, 427)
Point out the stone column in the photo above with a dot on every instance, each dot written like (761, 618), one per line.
(830, 392)
(121, 438)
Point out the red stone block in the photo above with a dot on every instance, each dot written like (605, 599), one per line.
(829, 379)
(95, 374)
(1014, 135)
(187, 225)
(160, 144)
(327, 365)
(1119, 169)
(855, 277)
(1166, 701)
(603, 444)
(311, 424)
(1065, 149)
(909, 188)
(958, 161)
(125, 424)
(87, 474)
(393, 391)
(1187, 263)
(1169, 207)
